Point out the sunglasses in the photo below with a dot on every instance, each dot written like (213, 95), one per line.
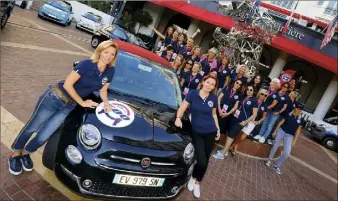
(266, 95)
(285, 86)
(189, 63)
(238, 83)
(249, 89)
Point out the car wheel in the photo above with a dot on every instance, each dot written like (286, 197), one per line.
(330, 143)
(49, 152)
(95, 42)
(4, 20)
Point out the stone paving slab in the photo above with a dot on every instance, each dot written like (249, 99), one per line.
(13, 33)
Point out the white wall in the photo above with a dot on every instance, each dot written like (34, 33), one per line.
(80, 9)
(156, 12)
(29, 4)
(312, 9)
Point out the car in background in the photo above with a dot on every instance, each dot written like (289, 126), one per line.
(6, 8)
(57, 11)
(90, 22)
(115, 32)
(135, 151)
(324, 130)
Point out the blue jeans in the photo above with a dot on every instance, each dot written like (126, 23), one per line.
(287, 145)
(47, 117)
(268, 124)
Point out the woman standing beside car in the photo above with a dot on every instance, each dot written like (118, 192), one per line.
(60, 99)
(205, 129)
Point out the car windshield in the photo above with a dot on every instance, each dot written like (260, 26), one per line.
(133, 39)
(145, 79)
(61, 5)
(93, 17)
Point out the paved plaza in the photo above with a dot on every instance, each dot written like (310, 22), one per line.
(36, 53)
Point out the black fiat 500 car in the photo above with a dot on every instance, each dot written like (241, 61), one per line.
(135, 151)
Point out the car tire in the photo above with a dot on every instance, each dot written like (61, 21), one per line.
(49, 152)
(4, 20)
(95, 41)
(330, 143)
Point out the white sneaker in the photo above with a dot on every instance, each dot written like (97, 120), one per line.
(262, 140)
(268, 163)
(191, 184)
(197, 191)
(276, 169)
(257, 137)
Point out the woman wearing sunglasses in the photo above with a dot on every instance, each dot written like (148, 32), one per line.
(183, 70)
(191, 79)
(279, 108)
(271, 116)
(246, 112)
(289, 132)
(261, 115)
(228, 100)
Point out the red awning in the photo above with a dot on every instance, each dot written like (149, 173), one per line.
(279, 42)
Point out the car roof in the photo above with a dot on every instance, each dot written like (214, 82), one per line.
(136, 50)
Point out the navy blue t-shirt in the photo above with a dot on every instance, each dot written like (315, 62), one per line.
(205, 66)
(229, 99)
(196, 59)
(290, 106)
(221, 76)
(291, 124)
(191, 81)
(91, 78)
(245, 108)
(273, 96)
(261, 109)
(181, 74)
(282, 99)
(167, 41)
(164, 55)
(202, 120)
(234, 77)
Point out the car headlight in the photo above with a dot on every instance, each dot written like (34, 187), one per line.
(89, 136)
(73, 154)
(188, 154)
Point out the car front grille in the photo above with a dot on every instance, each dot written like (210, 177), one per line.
(114, 190)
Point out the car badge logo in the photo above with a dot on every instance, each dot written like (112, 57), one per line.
(120, 116)
(145, 163)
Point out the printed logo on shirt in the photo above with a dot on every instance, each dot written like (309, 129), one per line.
(224, 71)
(197, 80)
(120, 116)
(249, 102)
(282, 98)
(298, 121)
(294, 105)
(104, 80)
(262, 108)
(236, 97)
(274, 96)
(211, 104)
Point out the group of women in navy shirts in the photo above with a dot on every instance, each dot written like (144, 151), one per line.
(221, 100)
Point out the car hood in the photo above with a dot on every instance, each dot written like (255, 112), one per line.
(149, 126)
(54, 10)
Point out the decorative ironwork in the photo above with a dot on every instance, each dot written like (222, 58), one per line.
(243, 44)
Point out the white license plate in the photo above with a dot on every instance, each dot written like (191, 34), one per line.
(138, 181)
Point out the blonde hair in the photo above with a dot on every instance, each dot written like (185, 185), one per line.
(238, 68)
(277, 81)
(260, 91)
(102, 46)
(182, 60)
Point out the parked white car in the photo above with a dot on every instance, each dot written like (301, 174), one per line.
(90, 22)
